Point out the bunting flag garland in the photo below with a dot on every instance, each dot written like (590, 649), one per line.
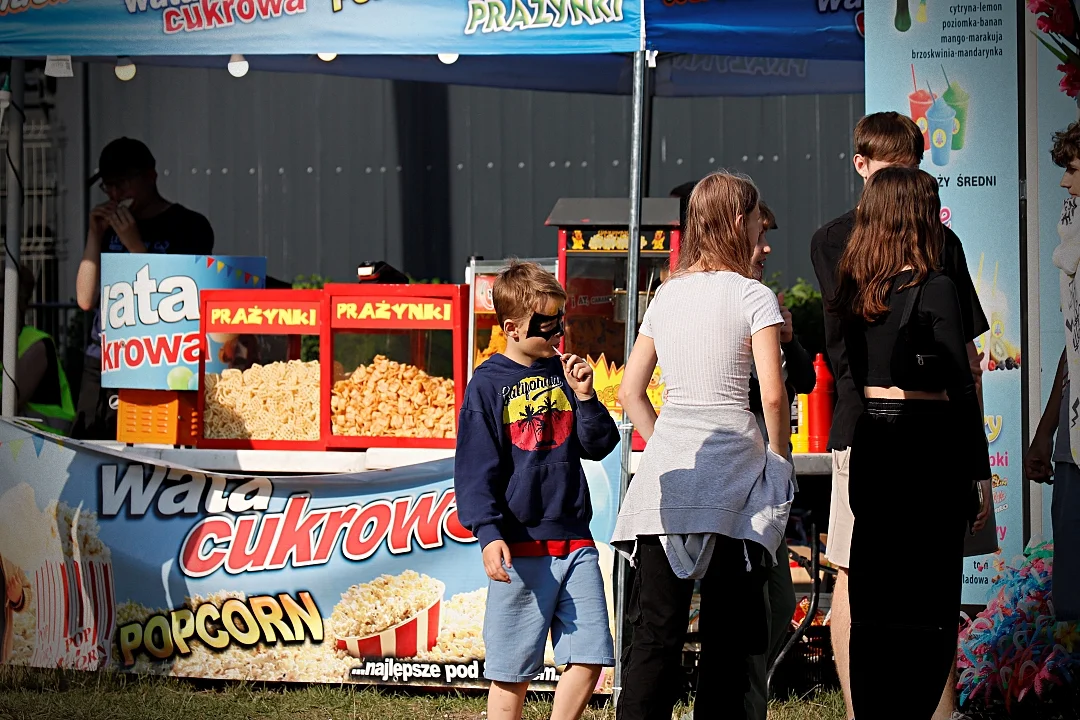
(16, 448)
(239, 272)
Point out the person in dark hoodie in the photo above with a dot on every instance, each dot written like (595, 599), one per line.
(529, 417)
(799, 378)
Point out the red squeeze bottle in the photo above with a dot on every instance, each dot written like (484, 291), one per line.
(820, 406)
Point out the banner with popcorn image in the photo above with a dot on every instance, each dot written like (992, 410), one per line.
(132, 564)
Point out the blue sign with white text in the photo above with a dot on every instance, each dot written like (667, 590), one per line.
(150, 314)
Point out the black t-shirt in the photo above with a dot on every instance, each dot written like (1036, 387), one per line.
(927, 352)
(176, 231)
(826, 249)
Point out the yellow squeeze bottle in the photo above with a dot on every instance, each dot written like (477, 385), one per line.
(800, 438)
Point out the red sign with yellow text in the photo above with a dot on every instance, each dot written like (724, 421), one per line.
(264, 318)
(366, 312)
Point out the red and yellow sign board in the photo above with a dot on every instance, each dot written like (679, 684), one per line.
(482, 300)
(616, 240)
(606, 381)
(367, 312)
(264, 318)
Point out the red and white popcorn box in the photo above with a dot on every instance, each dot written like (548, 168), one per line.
(76, 614)
(415, 635)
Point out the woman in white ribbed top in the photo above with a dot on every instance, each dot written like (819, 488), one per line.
(709, 500)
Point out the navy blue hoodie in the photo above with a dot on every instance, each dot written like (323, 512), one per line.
(521, 437)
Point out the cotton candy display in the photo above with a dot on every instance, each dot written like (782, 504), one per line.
(1015, 646)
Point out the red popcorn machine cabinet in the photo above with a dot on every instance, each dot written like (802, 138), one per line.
(593, 242)
(267, 397)
(394, 361)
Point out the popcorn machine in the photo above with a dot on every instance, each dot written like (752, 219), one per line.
(485, 335)
(394, 364)
(267, 398)
(593, 242)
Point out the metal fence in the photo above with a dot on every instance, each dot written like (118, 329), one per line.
(42, 247)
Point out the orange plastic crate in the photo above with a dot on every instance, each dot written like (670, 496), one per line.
(161, 417)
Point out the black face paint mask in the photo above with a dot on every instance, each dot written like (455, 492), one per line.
(538, 320)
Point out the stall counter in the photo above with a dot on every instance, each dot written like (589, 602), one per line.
(331, 462)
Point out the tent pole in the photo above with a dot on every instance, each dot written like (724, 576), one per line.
(647, 131)
(633, 251)
(13, 236)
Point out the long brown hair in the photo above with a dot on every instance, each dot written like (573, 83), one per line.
(713, 238)
(897, 225)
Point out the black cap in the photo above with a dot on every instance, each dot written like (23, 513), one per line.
(123, 156)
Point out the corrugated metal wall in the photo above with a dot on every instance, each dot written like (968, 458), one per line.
(319, 172)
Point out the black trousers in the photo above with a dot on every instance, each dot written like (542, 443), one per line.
(733, 627)
(95, 415)
(911, 509)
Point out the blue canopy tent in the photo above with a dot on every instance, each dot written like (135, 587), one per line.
(601, 46)
(675, 75)
(828, 29)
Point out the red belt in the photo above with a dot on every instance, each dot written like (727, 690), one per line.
(547, 548)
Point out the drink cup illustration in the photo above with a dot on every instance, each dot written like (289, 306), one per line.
(958, 100)
(940, 119)
(902, 21)
(921, 101)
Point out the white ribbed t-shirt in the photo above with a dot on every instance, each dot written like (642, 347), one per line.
(701, 324)
(706, 469)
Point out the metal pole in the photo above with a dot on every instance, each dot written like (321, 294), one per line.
(633, 251)
(647, 134)
(13, 236)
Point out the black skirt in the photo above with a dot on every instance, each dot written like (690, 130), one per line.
(912, 498)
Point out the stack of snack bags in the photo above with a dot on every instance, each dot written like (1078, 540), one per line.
(1015, 645)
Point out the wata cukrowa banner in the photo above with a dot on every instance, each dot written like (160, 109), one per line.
(306, 27)
(149, 314)
(141, 566)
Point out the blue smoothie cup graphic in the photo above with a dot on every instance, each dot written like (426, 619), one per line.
(940, 119)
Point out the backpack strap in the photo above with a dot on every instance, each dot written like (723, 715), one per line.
(912, 300)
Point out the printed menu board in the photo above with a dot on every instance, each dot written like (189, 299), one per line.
(952, 67)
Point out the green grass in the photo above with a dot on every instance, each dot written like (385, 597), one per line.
(47, 695)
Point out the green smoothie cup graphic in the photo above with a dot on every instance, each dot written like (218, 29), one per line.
(958, 100)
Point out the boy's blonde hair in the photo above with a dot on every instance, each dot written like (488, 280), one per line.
(521, 289)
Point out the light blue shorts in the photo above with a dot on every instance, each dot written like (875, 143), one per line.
(563, 595)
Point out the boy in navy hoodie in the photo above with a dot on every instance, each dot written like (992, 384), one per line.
(529, 417)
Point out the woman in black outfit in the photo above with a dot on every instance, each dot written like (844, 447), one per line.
(921, 447)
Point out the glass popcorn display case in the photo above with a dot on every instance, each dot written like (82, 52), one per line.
(394, 364)
(256, 390)
(593, 243)
(485, 335)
